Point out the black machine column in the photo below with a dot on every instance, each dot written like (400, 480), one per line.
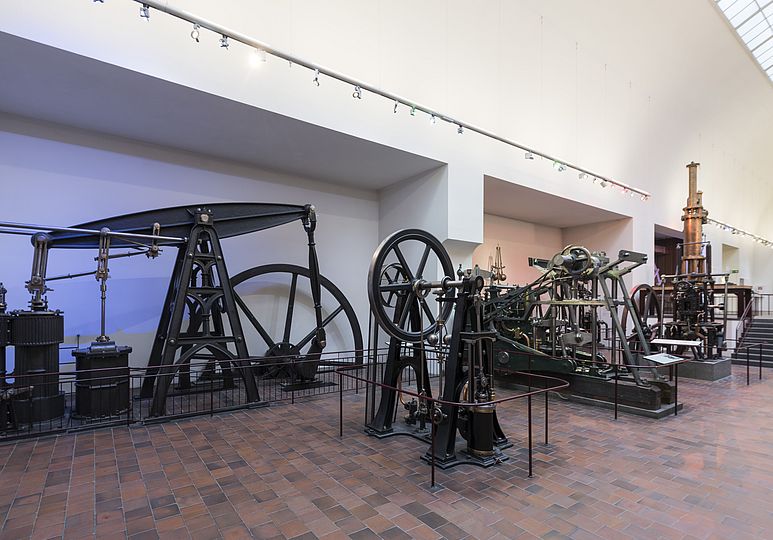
(200, 282)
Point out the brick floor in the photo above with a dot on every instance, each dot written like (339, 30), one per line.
(282, 472)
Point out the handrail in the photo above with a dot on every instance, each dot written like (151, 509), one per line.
(748, 348)
(342, 372)
(745, 320)
(563, 384)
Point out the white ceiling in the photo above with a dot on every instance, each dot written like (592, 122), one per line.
(50, 84)
(505, 199)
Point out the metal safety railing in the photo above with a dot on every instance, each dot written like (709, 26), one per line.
(744, 352)
(55, 402)
(348, 372)
(745, 321)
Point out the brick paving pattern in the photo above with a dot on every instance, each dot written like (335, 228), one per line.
(282, 472)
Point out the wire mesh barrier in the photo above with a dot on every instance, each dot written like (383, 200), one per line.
(37, 404)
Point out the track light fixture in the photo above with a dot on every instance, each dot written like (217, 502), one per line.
(145, 12)
(528, 155)
(357, 94)
(195, 33)
(739, 232)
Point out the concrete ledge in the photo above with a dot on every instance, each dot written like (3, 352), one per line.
(662, 412)
(708, 370)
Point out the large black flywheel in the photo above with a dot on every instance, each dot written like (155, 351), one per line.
(402, 261)
(276, 307)
(647, 306)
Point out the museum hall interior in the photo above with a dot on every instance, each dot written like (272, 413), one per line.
(435, 270)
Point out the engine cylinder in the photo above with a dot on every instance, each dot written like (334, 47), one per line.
(36, 336)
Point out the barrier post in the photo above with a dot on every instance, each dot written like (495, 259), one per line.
(676, 388)
(528, 398)
(760, 361)
(432, 457)
(747, 366)
(616, 377)
(546, 412)
(129, 411)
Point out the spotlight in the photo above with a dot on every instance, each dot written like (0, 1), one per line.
(459, 129)
(258, 57)
(145, 12)
(644, 198)
(432, 119)
(604, 183)
(413, 110)
(559, 166)
(528, 155)
(582, 175)
(223, 42)
(395, 107)
(316, 77)
(195, 32)
(357, 94)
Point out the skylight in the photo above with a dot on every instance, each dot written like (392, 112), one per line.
(753, 21)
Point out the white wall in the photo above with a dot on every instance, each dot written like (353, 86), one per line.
(519, 241)
(607, 236)
(57, 176)
(419, 202)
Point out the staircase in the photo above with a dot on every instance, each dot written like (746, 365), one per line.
(760, 331)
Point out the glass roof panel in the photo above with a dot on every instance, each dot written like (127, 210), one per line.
(753, 22)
